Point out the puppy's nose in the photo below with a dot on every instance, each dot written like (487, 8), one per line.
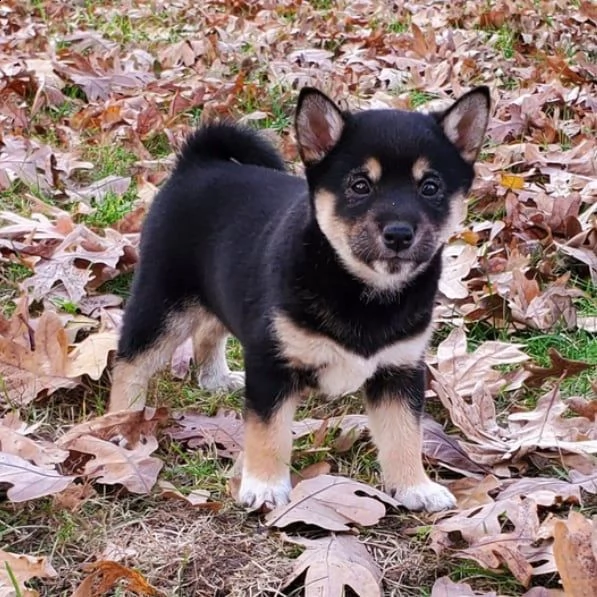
(398, 235)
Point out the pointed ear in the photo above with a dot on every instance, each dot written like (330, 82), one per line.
(465, 122)
(318, 124)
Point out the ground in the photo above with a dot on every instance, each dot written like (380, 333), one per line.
(106, 91)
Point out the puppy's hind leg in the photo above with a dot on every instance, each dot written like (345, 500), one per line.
(209, 347)
(147, 342)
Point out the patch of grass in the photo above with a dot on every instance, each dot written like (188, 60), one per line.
(11, 275)
(110, 210)
(418, 98)
(158, 145)
(483, 579)
(120, 286)
(109, 159)
(397, 26)
(321, 4)
(505, 40)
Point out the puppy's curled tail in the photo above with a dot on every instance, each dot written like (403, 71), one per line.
(229, 142)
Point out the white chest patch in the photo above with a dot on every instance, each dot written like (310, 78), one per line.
(342, 371)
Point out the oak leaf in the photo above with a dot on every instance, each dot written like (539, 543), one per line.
(225, 431)
(332, 503)
(29, 481)
(22, 568)
(332, 563)
(560, 367)
(106, 575)
(575, 553)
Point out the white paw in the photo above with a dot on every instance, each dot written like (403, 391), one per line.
(428, 496)
(255, 493)
(229, 381)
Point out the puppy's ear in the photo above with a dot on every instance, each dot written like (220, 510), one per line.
(318, 124)
(465, 122)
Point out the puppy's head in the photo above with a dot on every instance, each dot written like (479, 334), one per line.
(387, 186)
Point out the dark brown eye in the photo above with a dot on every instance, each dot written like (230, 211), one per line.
(361, 186)
(429, 189)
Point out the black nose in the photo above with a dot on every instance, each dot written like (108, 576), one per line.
(398, 235)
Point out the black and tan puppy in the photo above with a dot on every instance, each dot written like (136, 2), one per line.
(328, 282)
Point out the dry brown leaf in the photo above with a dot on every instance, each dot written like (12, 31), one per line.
(29, 481)
(129, 428)
(560, 367)
(196, 498)
(224, 431)
(332, 503)
(40, 366)
(90, 357)
(444, 587)
(107, 575)
(73, 497)
(333, 563)
(574, 555)
(113, 464)
(23, 568)
(309, 472)
(41, 453)
(470, 493)
(464, 371)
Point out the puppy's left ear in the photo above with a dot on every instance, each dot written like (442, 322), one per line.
(318, 123)
(465, 122)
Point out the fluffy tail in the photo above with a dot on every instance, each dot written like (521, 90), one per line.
(225, 142)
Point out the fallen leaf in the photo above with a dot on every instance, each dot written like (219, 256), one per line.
(574, 555)
(112, 464)
(333, 563)
(331, 503)
(29, 481)
(224, 431)
(196, 498)
(444, 587)
(310, 472)
(560, 367)
(106, 575)
(23, 568)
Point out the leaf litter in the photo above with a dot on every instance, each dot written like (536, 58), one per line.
(522, 264)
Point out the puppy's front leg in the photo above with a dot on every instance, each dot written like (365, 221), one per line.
(395, 399)
(269, 412)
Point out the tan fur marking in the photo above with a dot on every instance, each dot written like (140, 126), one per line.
(456, 218)
(420, 168)
(339, 370)
(373, 169)
(268, 445)
(397, 434)
(129, 386)
(338, 233)
(131, 378)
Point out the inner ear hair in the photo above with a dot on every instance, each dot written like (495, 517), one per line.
(465, 122)
(319, 124)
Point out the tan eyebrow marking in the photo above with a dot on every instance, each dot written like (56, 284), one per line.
(373, 169)
(420, 168)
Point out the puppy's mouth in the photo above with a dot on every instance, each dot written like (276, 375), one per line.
(421, 252)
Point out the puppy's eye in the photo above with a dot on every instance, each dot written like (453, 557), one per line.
(430, 188)
(361, 187)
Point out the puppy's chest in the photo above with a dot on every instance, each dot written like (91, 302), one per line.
(340, 371)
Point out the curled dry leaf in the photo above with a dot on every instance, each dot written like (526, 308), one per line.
(224, 431)
(23, 568)
(332, 503)
(107, 575)
(113, 464)
(196, 498)
(575, 555)
(332, 563)
(444, 587)
(29, 481)
(41, 453)
(127, 427)
(40, 365)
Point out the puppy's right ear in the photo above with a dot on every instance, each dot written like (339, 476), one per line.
(318, 124)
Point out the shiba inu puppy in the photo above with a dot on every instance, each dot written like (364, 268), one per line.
(328, 282)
